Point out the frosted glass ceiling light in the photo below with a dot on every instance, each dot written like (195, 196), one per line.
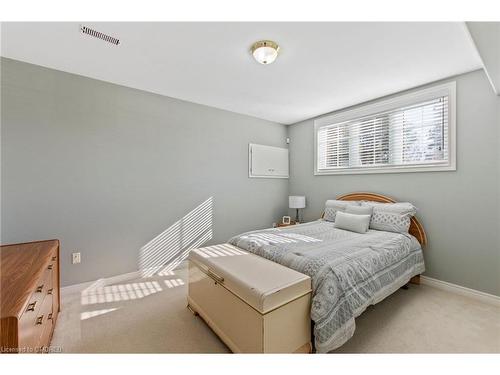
(265, 51)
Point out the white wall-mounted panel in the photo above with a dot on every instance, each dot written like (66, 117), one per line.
(267, 161)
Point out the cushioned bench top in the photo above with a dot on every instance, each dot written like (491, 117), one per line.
(261, 283)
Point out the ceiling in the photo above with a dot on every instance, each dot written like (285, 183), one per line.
(321, 67)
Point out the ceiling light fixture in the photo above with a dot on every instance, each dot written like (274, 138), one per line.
(265, 51)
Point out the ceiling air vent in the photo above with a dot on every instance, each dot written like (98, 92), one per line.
(99, 35)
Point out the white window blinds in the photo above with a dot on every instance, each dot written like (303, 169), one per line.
(413, 135)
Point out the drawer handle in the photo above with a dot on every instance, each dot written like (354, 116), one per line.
(49, 316)
(39, 320)
(39, 289)
(50, 291)
(31, 306)
(215, 276)
(50, 266)
(54, 258)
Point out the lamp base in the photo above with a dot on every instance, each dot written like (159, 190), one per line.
(297, 219)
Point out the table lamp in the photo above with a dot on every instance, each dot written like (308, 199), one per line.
(297, 202)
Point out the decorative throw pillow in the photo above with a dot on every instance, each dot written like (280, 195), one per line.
(359, 210)
(391, 217)
(332, 206)
(352, 222)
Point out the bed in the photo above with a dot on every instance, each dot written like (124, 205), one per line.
(349, 271)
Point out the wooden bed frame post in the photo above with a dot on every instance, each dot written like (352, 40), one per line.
(415, 280)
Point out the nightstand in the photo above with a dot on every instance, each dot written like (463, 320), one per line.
(292, 222)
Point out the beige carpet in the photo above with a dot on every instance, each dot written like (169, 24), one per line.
(150, 316)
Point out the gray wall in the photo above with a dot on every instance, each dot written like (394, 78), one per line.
(459, 210)
(106, 168)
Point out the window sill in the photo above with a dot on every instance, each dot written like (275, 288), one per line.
(433, 168)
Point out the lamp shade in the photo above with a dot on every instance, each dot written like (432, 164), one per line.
(296, 201)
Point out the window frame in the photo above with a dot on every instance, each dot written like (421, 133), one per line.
(399, 101)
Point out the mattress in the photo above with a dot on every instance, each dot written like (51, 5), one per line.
(349, 271)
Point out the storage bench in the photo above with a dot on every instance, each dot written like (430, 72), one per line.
(253, 304)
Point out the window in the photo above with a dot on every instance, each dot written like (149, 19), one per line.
(410, 133)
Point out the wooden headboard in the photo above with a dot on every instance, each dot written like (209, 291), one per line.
(416, 229)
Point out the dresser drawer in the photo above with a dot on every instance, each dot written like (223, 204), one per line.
(43, 287)
(33, 327)
(55, 282)
(45, 320)
(30, 331)
(31, 324)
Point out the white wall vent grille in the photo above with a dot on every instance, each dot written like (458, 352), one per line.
(99, 35)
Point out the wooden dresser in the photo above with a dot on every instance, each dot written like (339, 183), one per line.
(29, 292)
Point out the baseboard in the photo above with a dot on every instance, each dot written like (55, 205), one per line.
(77, 288)
(424, 280)
(457, 289)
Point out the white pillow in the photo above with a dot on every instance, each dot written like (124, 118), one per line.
(332, 206)
(359, 210)
(391, 217)
(352, 222)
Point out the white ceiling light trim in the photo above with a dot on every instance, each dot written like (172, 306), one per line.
(265, 51)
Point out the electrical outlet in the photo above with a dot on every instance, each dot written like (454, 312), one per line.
(76, 258)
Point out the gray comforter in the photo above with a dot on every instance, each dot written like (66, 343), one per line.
(349, 271)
